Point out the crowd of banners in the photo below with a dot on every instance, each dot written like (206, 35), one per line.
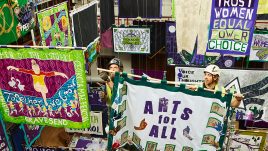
(84, 32)
(259, 47)
(17, 18)
(95, 128)
(251, 83)
(248, 140)
(45, 87)
(167, 118)
(131, 40)
(54, 26)
(31, 133)
(4, 140)
(186, 58)
(232, 26)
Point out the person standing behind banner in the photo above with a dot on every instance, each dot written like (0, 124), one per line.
(114, 65)
(211, 80)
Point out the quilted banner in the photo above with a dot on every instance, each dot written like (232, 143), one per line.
(131, 40)
(259, 47)
(54, 26)
(232, 26)
(17, 18)
(44, 87)
(167, 118)
(251, 83)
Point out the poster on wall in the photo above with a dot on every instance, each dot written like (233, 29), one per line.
(248, 140)
(259, 48)
(17, 19)
(54, 26)
(45, 87)
(131, 40)
(251, 83)
(95, 128)
(167, 118)
(232, 26)
(84, 21)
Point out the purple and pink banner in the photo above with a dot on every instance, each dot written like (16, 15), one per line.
(232, 26)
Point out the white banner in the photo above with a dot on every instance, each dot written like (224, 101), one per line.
(159, 117)
(251, 83)
(131, 40)
(96, 126)
(259, 48)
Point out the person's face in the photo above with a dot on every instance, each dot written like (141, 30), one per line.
(209, 78)
(115, 68)
(36, 68)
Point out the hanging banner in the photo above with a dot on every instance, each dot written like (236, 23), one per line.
(17, 18)
(54, 26)
(248, 140)
(84, 22)
(263, 7)
(232, 26)
(259, 47)
(186, 58)
(93, 50)
(131, 40)
(251, 83)
(46, 87)
(31, 133)
(166, 117)
(96, 126)
(4, 140)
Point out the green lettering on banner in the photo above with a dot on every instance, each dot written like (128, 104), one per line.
(230, 34)
(227, 45)
(131, 41)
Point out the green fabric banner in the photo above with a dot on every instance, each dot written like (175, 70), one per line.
(55, 27)
(16, 20)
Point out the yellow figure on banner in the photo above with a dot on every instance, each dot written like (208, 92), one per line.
(39, 78)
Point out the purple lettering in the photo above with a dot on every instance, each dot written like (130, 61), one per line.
(176, 103)
(173, 132)
(163, 105)
(148, 107)
(154, 131)
(164, 132)
(185, 114)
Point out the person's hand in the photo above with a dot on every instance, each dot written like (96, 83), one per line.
(238, 96)
(62, 74)
(110, 84)
(12, 68)
(192, 87)
(236, 100)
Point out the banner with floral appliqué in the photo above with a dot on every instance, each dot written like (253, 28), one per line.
(16, 20)
(166, 118)
(44, 87)
(54, 26)
(131, 40)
